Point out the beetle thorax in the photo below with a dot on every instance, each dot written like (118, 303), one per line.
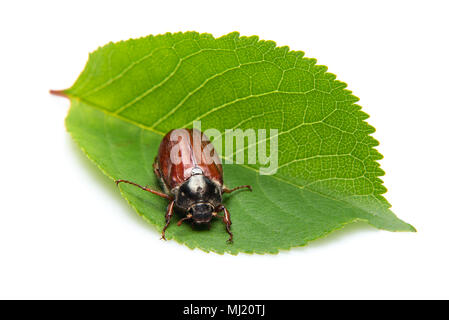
(198, 189)
(197, 184)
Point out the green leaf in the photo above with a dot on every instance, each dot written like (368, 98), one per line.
(131, 93)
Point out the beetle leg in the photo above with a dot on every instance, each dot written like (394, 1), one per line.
(226, 220)
(160, 194)
(226, 190)
(168, 216)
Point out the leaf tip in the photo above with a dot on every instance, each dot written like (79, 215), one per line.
(407, 228)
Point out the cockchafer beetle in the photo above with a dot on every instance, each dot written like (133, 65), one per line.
(191, 176)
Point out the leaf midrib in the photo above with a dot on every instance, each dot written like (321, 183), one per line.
(144, 127)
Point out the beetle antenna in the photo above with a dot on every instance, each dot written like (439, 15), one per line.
(185, 218)
(215, 214)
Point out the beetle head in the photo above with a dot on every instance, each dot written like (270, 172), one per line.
(201, 212)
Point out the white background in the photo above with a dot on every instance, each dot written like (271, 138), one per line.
(65, 232)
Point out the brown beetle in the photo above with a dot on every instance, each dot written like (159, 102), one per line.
(191, 175)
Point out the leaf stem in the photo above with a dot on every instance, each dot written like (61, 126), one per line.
(60, 93)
